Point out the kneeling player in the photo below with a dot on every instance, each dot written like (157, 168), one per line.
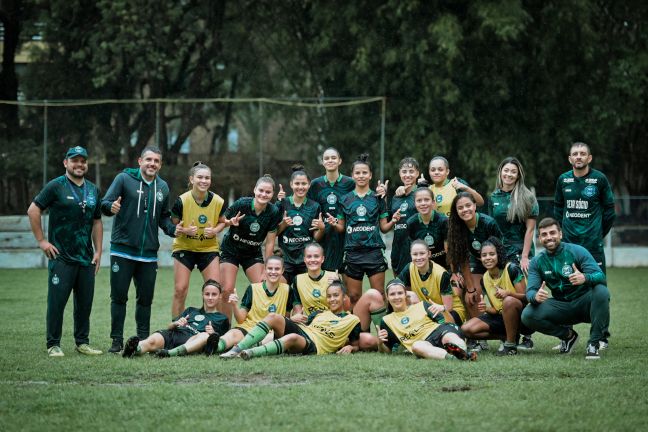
(326, 332)
(505, 287)
(194, 331)
(420, 328)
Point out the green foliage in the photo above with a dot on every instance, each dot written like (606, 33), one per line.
(540, 390)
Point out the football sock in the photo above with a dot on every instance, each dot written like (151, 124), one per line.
(272, 348)
(222, 346)
(255, 335)
(377, 315)
(179, 351)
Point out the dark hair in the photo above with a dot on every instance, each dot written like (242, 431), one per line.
(419, 242)
(298, 170)
(195, 167)
(265, 178)
(580, 144)
(275, 257)
(363, 159)
(547, 222)
(500, 250)
(153, 149)
(392, 283)
(409, 161)
(442, 159)
(331, 148)
(424, 186)
(214, 283)
(337, 283)
(457, 235)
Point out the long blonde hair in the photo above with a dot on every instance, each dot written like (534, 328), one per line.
(522, 198)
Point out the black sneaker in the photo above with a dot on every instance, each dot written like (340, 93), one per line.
(566, 345)
(116, 347)
(212, 344)
(131, 347)
(162, 353)
(507, 351)
(473, 345)
(526, 344)
(592, 352)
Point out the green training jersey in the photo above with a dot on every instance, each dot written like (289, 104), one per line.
(585, 208)
(293, 239)
(512, 232)
(72, 212)
(401, 243)
(246, 239)
(198, 320)
(434, 234)
(328, 195)
(362, 220)
(555, 268)
(486, 227)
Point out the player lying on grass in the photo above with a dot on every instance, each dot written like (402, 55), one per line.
(505, 288)
(259, 300)
(194, 331)
(421, 328)
(326, 332)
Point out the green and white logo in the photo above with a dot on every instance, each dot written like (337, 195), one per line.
(159, 196)
(476, 245)
(429, 240)
(361, 211)
(115, 268)
(202, 219)
(404, 320)
(199, 317)
(331, 199)
(297, 220)
(272, 308)
(55, 279)
(425, 292)
(403, 207)
(567, 270)
(317, 293)
(255, 227)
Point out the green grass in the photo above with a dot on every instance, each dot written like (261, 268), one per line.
(533, 391)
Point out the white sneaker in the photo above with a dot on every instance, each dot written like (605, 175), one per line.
(602, 345)
(55, 351)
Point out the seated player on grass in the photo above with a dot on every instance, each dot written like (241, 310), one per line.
(421, 328)
(259, 300)
(193, 331)
(330, 331)
(505, 287)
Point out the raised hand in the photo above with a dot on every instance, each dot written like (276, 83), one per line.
(396, 216)
(330, 219)
(210, 231)
(287, 219)
(381, 189)
(481, 306)
(182, 321)
(281, 194)
(209, 329)
(435, 309)
(116, 206)
(192, 229)
(542, 294)
(235, 220)
(233, 299)
(317, 224)
(455, 183)
(577, 277)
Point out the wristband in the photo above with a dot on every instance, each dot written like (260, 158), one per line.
(470, 292)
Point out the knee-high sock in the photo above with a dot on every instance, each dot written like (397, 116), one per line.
(275, 347)
(255, 335)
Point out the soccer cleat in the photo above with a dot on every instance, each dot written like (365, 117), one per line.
(592, 352)
(483, 345)
(246, 354)
(131, 347)
(566, 345)
(501, 347)
(212, 344)
(55, 351)
(507, 351)
(603, 345)
(473, 345)
(234, 352)
(162, 353)
(526, 344)
(116, 346)
(459, 352)
(86, 349)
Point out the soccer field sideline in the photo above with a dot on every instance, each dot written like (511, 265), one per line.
(534, 391)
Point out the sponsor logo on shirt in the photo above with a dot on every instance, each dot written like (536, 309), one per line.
(577, 204)
(400, 226)
(295, 240)
(362, 228)
(574, 215)
(246, 241)
(568, 180)
(591, 180)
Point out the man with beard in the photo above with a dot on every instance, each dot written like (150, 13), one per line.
(74, 225)
(578, 291)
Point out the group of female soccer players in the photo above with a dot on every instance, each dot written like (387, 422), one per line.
(460, 272)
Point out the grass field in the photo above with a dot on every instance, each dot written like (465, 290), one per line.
(534, 391)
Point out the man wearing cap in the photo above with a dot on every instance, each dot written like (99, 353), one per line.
(138, 199)
(74, 226)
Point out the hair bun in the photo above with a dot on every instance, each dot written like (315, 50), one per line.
(267, 175)
(364, 157)
(297, 167)
(197, 163)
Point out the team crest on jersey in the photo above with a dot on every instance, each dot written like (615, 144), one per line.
(255, 227)
(333, 322)
(361, 211)
(404, 320)
(476, 245)
(429, 240)
(316, 293)
(91, 200)
(567, 270)
(589, 191)
(272, 308)
(403, 207)
(55, 279)
(202, 219)
(439, 198)
(115, 268)
(199, 317)
(298, 220)
(159, 196)
(331, 199)
(425, 291)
